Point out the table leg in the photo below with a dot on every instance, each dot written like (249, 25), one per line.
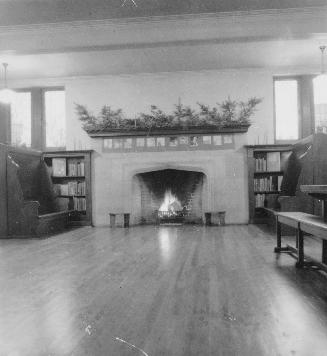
(300, 249)
(278, 235)
(324, 252)
(324, 210)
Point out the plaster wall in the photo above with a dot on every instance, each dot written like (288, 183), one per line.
(135, 94)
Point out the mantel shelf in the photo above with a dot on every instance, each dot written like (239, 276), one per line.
(169, 131)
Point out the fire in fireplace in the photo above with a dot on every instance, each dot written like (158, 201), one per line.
(171, 209)
(170, 196)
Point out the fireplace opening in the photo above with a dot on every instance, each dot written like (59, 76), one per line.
(170, 196)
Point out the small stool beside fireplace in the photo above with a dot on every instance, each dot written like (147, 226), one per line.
(215, 218)
(119, 219)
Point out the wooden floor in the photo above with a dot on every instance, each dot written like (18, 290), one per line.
(158, 291)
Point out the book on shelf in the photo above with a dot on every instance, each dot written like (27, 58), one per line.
(279, 183)
(267, 184)
(268, 163)
(273, 161)
(260, 164)
(79, 204)
(59, 167)
(76, 188)
(70, 188)
(76, 168)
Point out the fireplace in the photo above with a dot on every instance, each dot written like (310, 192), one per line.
(169, 196)
(134, 176)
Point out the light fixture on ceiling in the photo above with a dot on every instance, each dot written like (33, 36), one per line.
(322, 50)
(320, 81)
(322, 74)
(6, 94)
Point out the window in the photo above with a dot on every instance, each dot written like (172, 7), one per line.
(21, 113)
(42, 111)
(320, 103)
(286, 110)
(54, 112)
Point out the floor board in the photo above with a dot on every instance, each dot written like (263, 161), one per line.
(169, 290)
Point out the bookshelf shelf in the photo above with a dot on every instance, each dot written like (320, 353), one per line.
(269, 172)
(68, 177)
(70, 172)
(266, 165)
(70, 196)
(268, 192)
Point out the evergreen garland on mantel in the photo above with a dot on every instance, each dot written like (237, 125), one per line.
(228, 114)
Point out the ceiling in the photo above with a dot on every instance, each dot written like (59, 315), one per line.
(13, 12)
(74, 44)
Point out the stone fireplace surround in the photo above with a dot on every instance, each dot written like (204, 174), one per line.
(115, 179)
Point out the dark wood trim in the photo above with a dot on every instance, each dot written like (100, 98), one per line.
(324, 252)
(5, 126)
(306, 102)
(270, 148)
(37, 124)
(3, 192)
(80, 153)
(171, 131)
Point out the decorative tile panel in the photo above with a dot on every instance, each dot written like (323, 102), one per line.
(168, 143)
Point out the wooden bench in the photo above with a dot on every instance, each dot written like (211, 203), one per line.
(303, 223)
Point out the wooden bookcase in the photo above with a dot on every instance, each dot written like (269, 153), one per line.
(70, 173)
(266, 164)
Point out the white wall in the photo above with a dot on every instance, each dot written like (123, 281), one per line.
(135, 93)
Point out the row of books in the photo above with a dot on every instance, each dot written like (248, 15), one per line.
(267, 184)
(268, 163)
(74, 168)
(79, 204)
(71, 188)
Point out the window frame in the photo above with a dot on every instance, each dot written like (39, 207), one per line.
(43, 90)
(38, 123)
(299, 111)
(23, 90)
(313, 103)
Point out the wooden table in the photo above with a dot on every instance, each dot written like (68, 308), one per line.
(318, 192)
(306, 223)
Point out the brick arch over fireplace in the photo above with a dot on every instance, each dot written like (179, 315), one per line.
(176, 166)
(149, 188)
